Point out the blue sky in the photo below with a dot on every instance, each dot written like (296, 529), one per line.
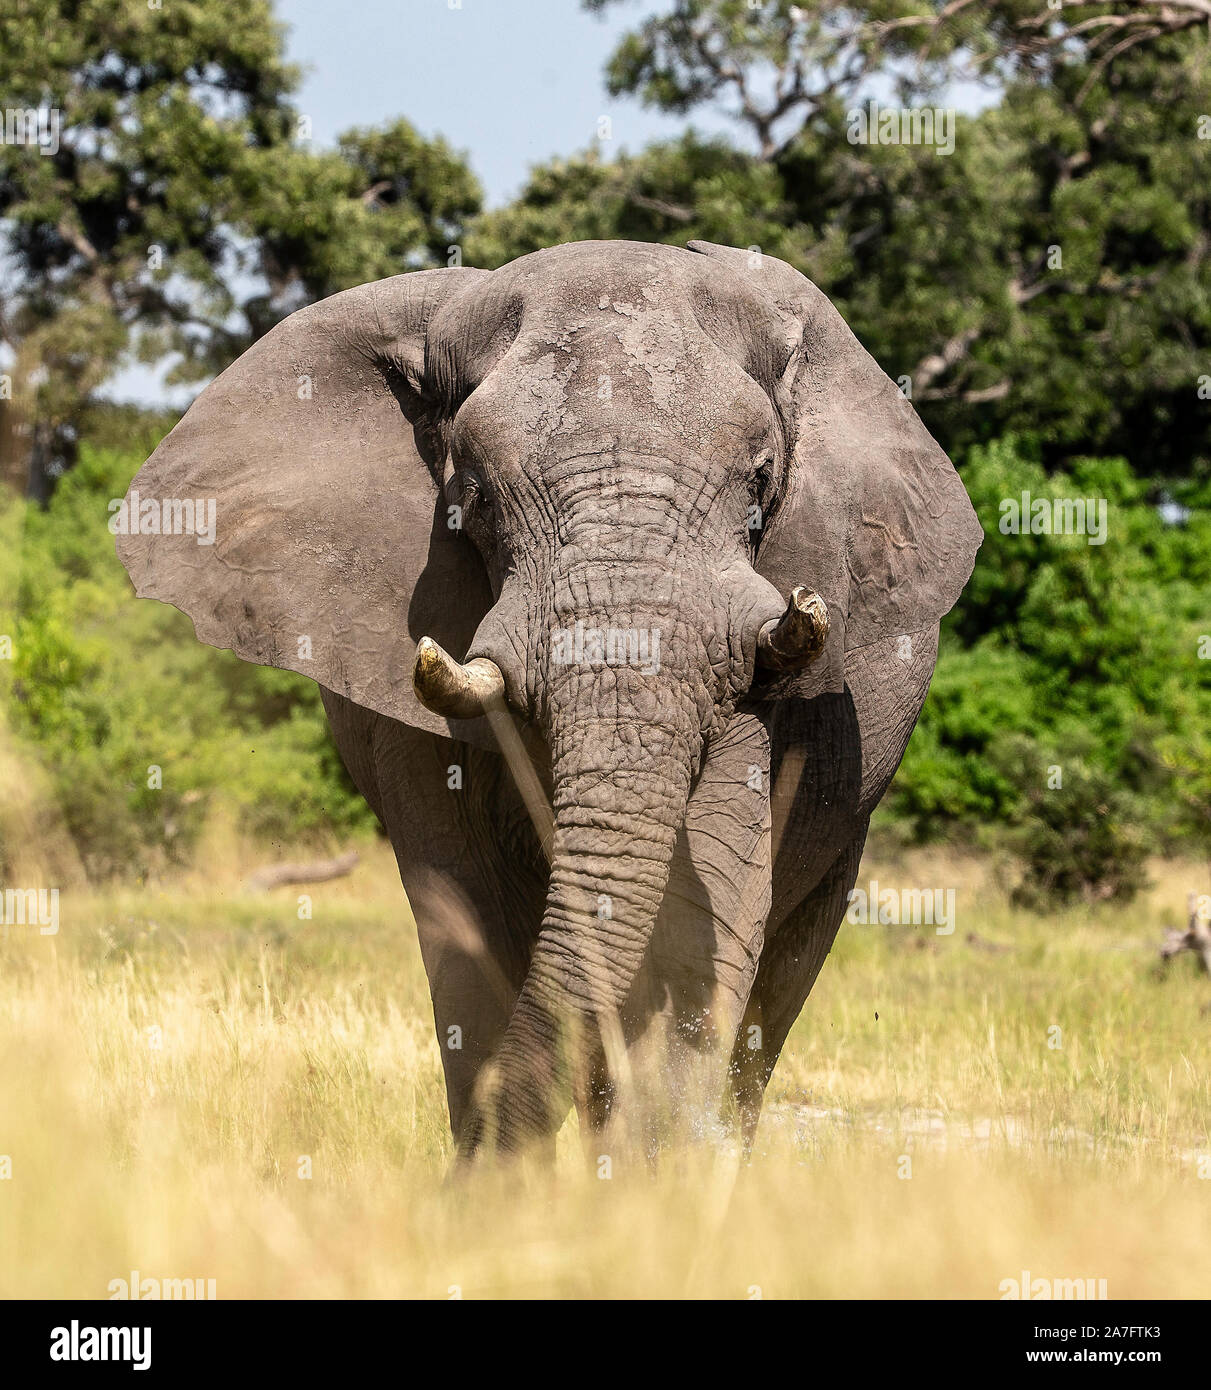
(509, 82)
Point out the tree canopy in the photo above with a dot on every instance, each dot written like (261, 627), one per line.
(1039, 284)
(1051, 276)
(176, 204)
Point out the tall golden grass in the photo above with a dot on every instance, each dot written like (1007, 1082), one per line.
(195, 1083)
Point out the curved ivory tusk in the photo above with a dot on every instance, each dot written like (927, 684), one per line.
(452, 690)
(797, 637)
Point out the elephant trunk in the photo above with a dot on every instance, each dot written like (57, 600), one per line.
(625, 744)
(608, 875)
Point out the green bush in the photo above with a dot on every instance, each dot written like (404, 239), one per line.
(1060, 657)
(1081, 835)
(1086, 658)
(106, 689)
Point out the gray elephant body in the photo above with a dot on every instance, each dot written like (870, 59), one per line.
(829, 759)
(600, 440)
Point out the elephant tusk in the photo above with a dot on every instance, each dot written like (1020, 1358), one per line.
(796, 638)
(451, 689)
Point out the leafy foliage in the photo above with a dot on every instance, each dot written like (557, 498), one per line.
(106, 688)
(1072, 700)
(1051, 276)
(179, 207)
(1044, 291)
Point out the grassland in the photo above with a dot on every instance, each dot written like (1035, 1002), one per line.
(179, 1056)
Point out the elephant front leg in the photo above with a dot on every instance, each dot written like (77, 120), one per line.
(471, 867)
(790, 962)
(476, 878)
(667, 1078)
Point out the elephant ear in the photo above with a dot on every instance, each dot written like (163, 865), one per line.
(330, 553)
(873, 515)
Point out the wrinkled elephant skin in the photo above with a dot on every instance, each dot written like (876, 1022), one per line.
(620, 569)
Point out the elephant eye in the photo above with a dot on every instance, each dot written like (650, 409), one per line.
(761, 497)
(763, 477)
(466, 490)
(761, 485)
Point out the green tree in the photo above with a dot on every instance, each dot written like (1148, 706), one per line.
(671, 192)
(1086, 660)
(142, 731)
(175, 204)
(1052, 275)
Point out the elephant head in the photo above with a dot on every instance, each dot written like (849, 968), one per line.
(615, 486)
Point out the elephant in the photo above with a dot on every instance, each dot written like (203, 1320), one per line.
(620, 569)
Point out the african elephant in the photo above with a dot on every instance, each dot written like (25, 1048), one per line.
(692, 546)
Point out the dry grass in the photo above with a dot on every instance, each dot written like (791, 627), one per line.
(172, 1056)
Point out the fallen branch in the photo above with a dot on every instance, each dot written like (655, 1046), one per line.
(317, 871)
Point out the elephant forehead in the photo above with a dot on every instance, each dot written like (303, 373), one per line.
(627, 353)
(622, 346)
(611, 342)
(629, 381)
(668, 290)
